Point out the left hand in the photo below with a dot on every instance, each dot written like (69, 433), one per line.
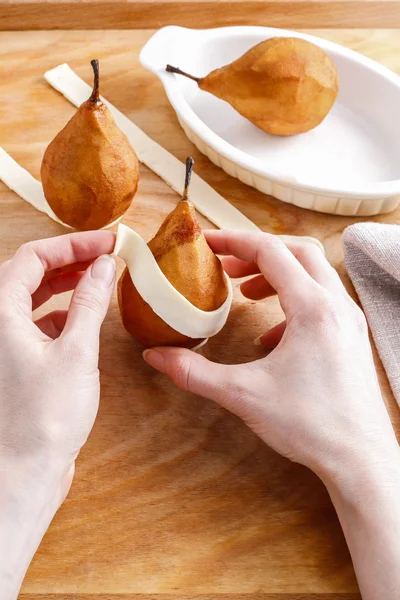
(49, 380)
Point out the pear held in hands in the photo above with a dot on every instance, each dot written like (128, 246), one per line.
(90, 172)
(187, 261)
(284, 85)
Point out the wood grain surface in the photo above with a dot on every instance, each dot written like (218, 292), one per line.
(137, 14)
(173, 497)
(256, 596)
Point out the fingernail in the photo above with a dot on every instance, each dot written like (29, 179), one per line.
(154, 359)
(104, 268)
(257, 341)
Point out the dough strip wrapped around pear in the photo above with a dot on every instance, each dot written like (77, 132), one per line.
(283, 85)
(183, 255)
(90, 171)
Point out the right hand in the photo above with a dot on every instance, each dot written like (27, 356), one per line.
(315, 398)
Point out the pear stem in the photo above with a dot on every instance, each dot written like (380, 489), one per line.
(189, 170)
(171, 69)
(95, 97)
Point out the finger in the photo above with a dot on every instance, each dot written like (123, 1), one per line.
(278, 265)
(52, 324)
(90, 301)
(313, 261)
(73, 268)
(316, 264)
(271, 338)
(192, 372)
(234, 267)
(257, 288)
(309, 255)
(58, 285)
(228, 385)
(26, 270)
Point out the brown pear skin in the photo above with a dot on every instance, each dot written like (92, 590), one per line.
(90, 171)
(185, 258)
(284, 86)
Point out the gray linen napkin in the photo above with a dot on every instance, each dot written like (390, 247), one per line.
(372, 258)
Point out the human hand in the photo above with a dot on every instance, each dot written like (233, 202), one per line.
(315, 398)
(49, 383)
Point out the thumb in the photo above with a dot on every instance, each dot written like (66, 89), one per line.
(90, 300)
(192, 372)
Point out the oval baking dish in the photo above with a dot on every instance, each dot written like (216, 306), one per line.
(348, 165)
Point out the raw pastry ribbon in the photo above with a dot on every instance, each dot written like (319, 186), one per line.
(155, 289)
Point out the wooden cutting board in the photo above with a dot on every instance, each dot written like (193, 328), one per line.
(173, 497)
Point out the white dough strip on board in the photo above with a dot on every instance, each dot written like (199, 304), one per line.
(24, 184)
(206, 200)
(155, 289)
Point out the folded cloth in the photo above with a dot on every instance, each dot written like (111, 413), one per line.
(372, 258)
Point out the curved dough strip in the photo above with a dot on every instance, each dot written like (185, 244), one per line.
(169, 304)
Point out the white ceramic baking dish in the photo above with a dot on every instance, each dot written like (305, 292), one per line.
(349, 165)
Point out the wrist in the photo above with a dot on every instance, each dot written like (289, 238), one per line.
(27, 506)
(364, 475)
(37, 471)
(365, 496)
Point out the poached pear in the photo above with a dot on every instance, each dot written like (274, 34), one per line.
(187, 261)
(283, 85)
(90, 171)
